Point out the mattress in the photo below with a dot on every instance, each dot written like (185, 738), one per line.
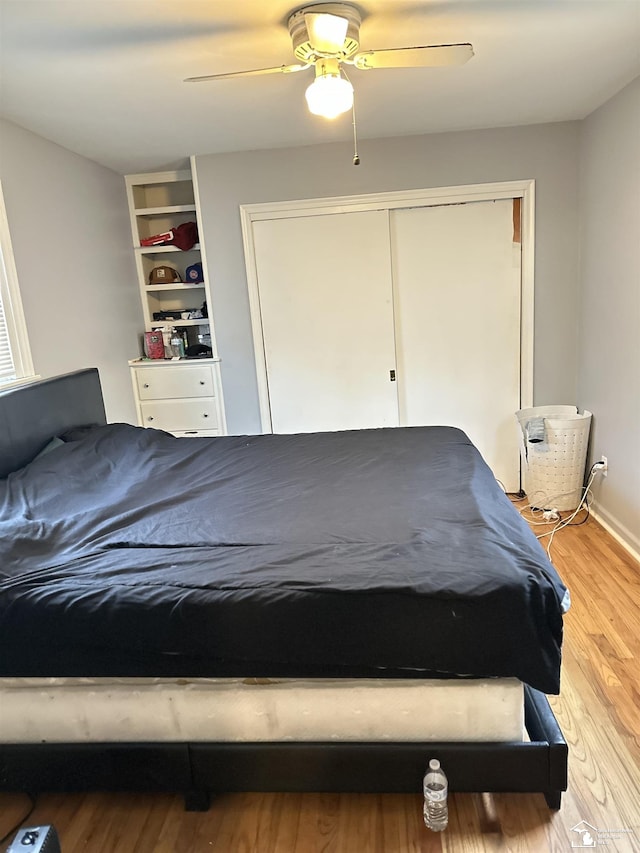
(233, 710)
(388, 553)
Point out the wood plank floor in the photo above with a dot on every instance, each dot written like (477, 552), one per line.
(598, 711)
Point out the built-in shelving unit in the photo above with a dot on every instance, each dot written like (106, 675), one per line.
(186, 396)
(159, 202)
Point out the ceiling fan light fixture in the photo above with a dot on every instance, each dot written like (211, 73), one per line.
(326, 32)
(329, 95)
(325, 29)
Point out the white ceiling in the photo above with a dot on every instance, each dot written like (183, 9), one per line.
(104, 77)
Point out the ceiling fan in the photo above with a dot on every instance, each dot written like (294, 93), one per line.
(327, 36)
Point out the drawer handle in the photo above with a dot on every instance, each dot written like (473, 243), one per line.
(205, 415)
(202, 381)
(146, 385)
(150, 418)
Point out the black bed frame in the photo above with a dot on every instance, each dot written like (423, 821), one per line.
(31, 414)
(199, 769)
(29, 417)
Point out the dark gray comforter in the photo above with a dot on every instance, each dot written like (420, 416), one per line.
(387, 553)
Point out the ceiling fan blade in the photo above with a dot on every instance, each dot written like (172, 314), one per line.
(282, 69)
(326, 32)
(429, 56)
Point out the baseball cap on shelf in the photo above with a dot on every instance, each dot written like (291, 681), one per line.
(185, 236)
(164, 275)
(193, 274)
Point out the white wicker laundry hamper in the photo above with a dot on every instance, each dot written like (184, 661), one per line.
(554, 468)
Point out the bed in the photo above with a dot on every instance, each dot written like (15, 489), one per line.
(319, 566)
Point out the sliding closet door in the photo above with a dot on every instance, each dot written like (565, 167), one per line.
(457, 287)
(326, 308)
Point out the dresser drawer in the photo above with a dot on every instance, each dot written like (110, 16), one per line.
(179, 381)
(180, 415)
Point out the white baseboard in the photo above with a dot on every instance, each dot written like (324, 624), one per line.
(620, 533)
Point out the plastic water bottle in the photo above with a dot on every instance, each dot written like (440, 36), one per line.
(177, 344)
(436, 813)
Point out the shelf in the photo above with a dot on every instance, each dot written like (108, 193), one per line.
(175, 286)
(158, 324)
(161, 250)
(160, 211)
(161, 362)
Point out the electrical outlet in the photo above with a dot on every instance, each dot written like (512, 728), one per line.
(605, 469)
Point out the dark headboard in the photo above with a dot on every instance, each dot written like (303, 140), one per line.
(30, 415)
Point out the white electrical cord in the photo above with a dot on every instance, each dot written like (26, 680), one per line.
(564, 522)
(553, 519)
(554, 516)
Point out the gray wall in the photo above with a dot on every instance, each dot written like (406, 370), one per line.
(547, 153)
(69, 226)
(609, 346)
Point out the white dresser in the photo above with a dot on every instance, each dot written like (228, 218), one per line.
(181, 397)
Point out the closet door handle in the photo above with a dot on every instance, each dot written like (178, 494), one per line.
(392, 376)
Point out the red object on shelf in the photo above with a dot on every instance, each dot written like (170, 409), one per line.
(158, 240)
(153, 345)
(183, 236)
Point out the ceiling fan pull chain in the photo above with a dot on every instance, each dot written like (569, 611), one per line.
(356, 156)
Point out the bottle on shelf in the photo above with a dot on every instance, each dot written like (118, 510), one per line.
(177, 344)
(166, 340)
(435, 787)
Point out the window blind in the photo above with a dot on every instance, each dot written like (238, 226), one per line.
(15, 354)
(7, 367)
